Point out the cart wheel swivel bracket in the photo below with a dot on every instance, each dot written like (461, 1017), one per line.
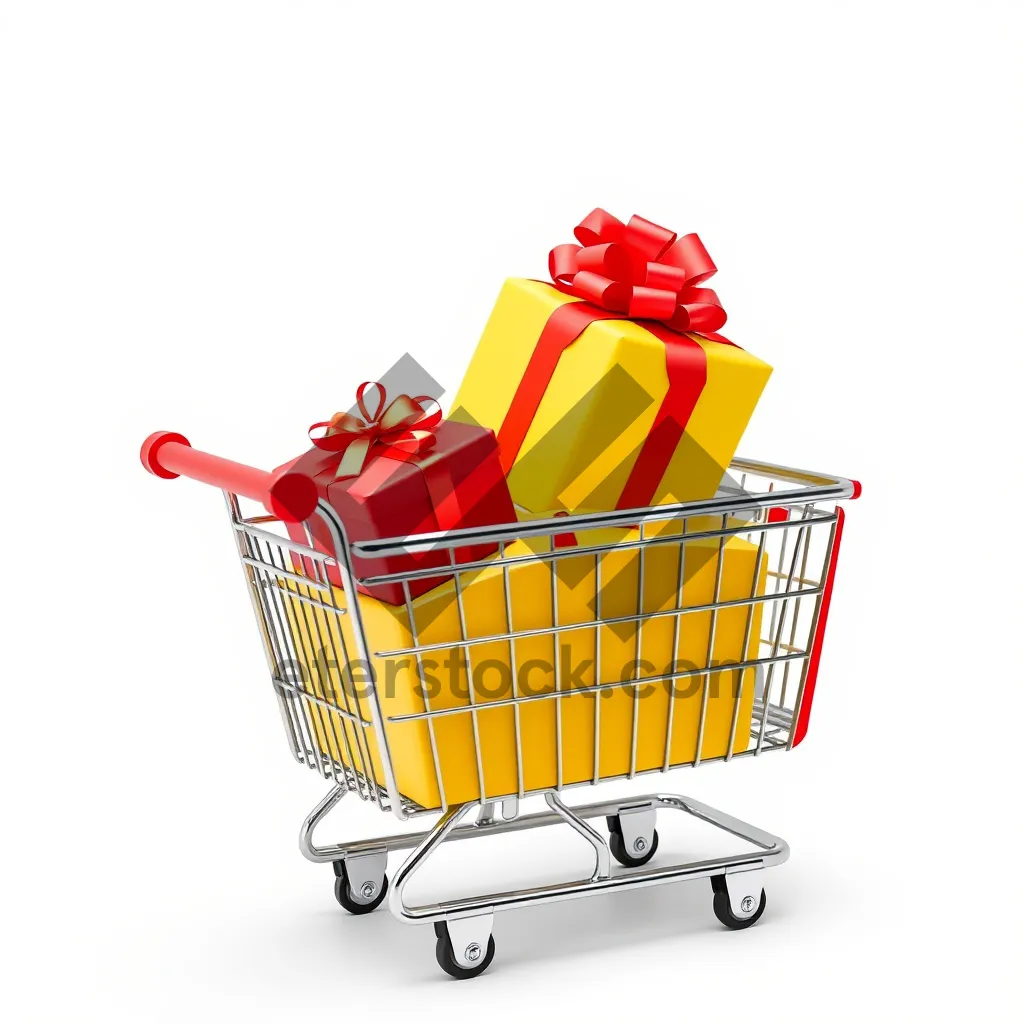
(365, 873)
(637, 827)
(744, 889)
(469, 938)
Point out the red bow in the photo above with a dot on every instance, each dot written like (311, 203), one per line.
(404, 425)
(640, 270)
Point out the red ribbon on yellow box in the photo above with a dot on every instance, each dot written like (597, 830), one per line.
(634, 271)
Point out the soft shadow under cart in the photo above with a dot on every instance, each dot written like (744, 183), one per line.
(792, 522)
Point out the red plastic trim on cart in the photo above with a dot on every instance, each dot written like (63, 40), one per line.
(819, 635)
(289, 496)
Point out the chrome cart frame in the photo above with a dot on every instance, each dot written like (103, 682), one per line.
(793, 517)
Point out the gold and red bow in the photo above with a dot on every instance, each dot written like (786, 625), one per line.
(404, 426)
(641, 270)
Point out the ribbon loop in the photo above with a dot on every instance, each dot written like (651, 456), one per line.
(562, 262)
(611, 259)
(639, 269)
(651, 304)
(382, 397)
(688, 253)
(599, 226)
(648, 238)
(602, 291)
(404, 425)
(662, 275)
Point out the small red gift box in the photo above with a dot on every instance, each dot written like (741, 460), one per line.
(400, 471)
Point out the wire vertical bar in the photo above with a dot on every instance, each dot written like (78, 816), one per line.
(597, 666)
(323, 674)
(635, 727)
(421, 675)
(270, 650)
(360, 768)
(362, 776)
(778, 578)
(796, 614)
(343, 560)
(277, 558)
(777, 643)
(738, 700)
(277, 651)
(556, 647)
(743, 489)
(811, 636)
(470, 685)
(706, 677)
(514, 667)
(676, 626)
(284, 653)
(270, 594)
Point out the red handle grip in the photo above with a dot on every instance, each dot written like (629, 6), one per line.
(289, 496)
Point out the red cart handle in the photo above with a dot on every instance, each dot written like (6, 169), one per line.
(289, 496)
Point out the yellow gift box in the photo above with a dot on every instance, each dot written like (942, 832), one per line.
(596, 726)
(581, 449)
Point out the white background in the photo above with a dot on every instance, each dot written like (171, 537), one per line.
(218, 218)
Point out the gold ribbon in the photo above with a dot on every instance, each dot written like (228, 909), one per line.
(403, 426)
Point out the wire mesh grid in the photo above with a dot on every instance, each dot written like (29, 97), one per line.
(575, 652)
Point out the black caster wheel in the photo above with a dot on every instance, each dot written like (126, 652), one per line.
(724, 912)
(446, 955)
(628, 858)
(343, 892)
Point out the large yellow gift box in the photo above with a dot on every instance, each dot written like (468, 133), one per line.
(576, 440)
(596, 726)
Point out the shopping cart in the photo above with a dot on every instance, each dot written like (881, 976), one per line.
(788, 522)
